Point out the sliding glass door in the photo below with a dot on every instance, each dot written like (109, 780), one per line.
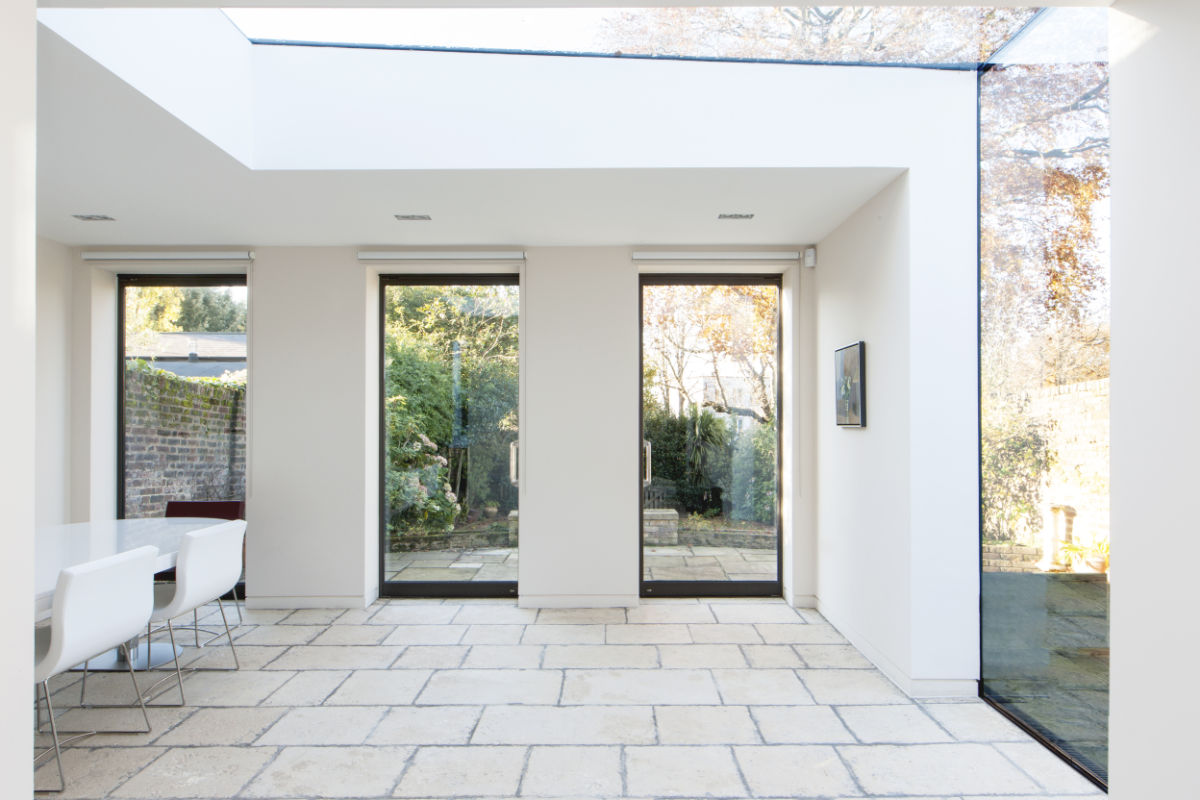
(710, 435)
(449, 517)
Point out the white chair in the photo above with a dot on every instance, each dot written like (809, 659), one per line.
(97, 606)
(209, 565)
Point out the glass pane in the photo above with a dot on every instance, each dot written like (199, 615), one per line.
(184, 396)
(710, 388)
(1044, 360)
(450, 365)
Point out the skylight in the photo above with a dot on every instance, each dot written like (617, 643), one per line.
(823, 34)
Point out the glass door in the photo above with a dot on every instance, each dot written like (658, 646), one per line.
(449, 518)
(710, 435)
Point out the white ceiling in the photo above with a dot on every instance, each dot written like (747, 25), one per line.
(104, 148)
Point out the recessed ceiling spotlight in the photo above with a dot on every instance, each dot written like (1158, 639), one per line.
(413, 217)
(94, 217)
(735, 216)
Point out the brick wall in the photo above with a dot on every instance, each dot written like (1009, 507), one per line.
(184, 440)
(1080, 438)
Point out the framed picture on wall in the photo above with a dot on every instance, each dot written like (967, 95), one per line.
(850, 373)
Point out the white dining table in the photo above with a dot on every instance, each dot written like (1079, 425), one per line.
(60, 546)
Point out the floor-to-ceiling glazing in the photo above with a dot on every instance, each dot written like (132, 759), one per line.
(449, 421)
(710, 435)
(1044, 361)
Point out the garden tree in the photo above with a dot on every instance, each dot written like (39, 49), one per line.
(450, 376)
(713, 347)
(168, 309)
(211, 310)
(1044, 310)
(1044, 181)
(718, 333)
(816, 33)
(150, 310)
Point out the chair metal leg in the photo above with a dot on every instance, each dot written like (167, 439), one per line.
(57, 750)
(195, 624)
(237, 604)
(151, 692)
(178, 672)
(37, 708)
(228, 635)
(138, 692)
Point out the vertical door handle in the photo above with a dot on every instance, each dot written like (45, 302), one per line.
(647, 473)
(512, 462)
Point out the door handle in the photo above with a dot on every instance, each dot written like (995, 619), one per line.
(512, 462)
(647, 473)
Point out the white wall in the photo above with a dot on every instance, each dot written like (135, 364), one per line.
(897, 549)
(864, 544)
(331, 108)
(943, 459)
(369, 457)
(799, 436)
(53, 415)
(18, 299)
(93, 425)
(312, 537)
(1155, 115)
(579, 428)
(193, 62)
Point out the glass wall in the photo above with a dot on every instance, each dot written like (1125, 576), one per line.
(450, 521)
(710, 433)
(1044, 362)
(182, 391)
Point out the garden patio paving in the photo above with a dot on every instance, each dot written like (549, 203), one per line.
(467, 698)
(661, 563)
(1046, 656)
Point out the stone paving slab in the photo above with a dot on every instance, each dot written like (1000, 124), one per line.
(713, 711)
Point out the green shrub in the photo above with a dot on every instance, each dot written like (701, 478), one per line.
(1016, 458)
(412, 372)
(417, 491)
(690, 452)
(451, 376)
(754, 474)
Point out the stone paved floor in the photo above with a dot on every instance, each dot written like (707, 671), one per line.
(482, 699)
(663, 563)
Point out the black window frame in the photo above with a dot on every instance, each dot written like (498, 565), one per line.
(125, 281)
(432, 589)
(768, 588)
